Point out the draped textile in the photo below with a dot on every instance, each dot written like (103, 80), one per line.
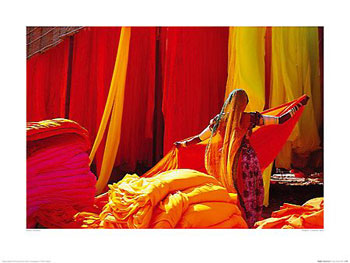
(94, 57)
(267, 172)
(138, 109)
(247, 61)
(320, 58)
(195, 72)
(94, 54)
(315, 74)
(181, 198)
(59, 181)
(46, 83)
(267, 141)
(246, 67)
(294, 72)
(113, 112)
(307, 216)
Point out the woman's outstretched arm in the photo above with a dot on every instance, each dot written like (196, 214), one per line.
(268, 120)
(205, 134)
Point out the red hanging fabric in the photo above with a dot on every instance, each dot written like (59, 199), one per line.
(268, 51)
(195, 73)
(137, 124)
(47, 82)
(267, 142)
(94, 54)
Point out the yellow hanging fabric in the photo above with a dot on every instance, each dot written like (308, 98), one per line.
(113, 111)
(246, 65)
(246, 70)
(293, 76)
(313, 49)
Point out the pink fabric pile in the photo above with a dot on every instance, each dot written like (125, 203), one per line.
(59, 181)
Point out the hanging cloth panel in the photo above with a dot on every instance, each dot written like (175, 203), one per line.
(94, 53)
(292, 77)
(246, 67)
(46, 83)
(195, 73)
(315, 74)
(138, 109)
(113, 111)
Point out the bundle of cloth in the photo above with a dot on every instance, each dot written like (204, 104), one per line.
(59, 181)
(308, 215)
(178, 192)
(181, 198)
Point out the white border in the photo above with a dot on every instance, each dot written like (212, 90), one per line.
(174, 245)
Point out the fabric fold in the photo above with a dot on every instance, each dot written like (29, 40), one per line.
(168, 200)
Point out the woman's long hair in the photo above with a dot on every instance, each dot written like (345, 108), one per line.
(228, 132)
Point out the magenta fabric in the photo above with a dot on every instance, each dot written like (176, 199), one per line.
(59, 175)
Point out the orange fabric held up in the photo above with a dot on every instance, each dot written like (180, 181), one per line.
(309, 215)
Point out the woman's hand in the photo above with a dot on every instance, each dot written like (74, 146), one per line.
(305, 100)
(180, 144)
(213, 120)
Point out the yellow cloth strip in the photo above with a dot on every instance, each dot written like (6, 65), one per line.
(246, 70)
(114, 106)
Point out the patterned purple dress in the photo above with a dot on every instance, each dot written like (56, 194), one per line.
(250, 187)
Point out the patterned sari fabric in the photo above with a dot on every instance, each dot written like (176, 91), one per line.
(250, 184)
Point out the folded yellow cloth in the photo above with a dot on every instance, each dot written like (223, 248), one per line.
(170, 211)
(206, 214)
(176, 198)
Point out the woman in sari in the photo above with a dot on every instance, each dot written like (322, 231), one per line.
(229, 156)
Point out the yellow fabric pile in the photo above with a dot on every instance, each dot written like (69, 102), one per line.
(309, 215)
(181, 198)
